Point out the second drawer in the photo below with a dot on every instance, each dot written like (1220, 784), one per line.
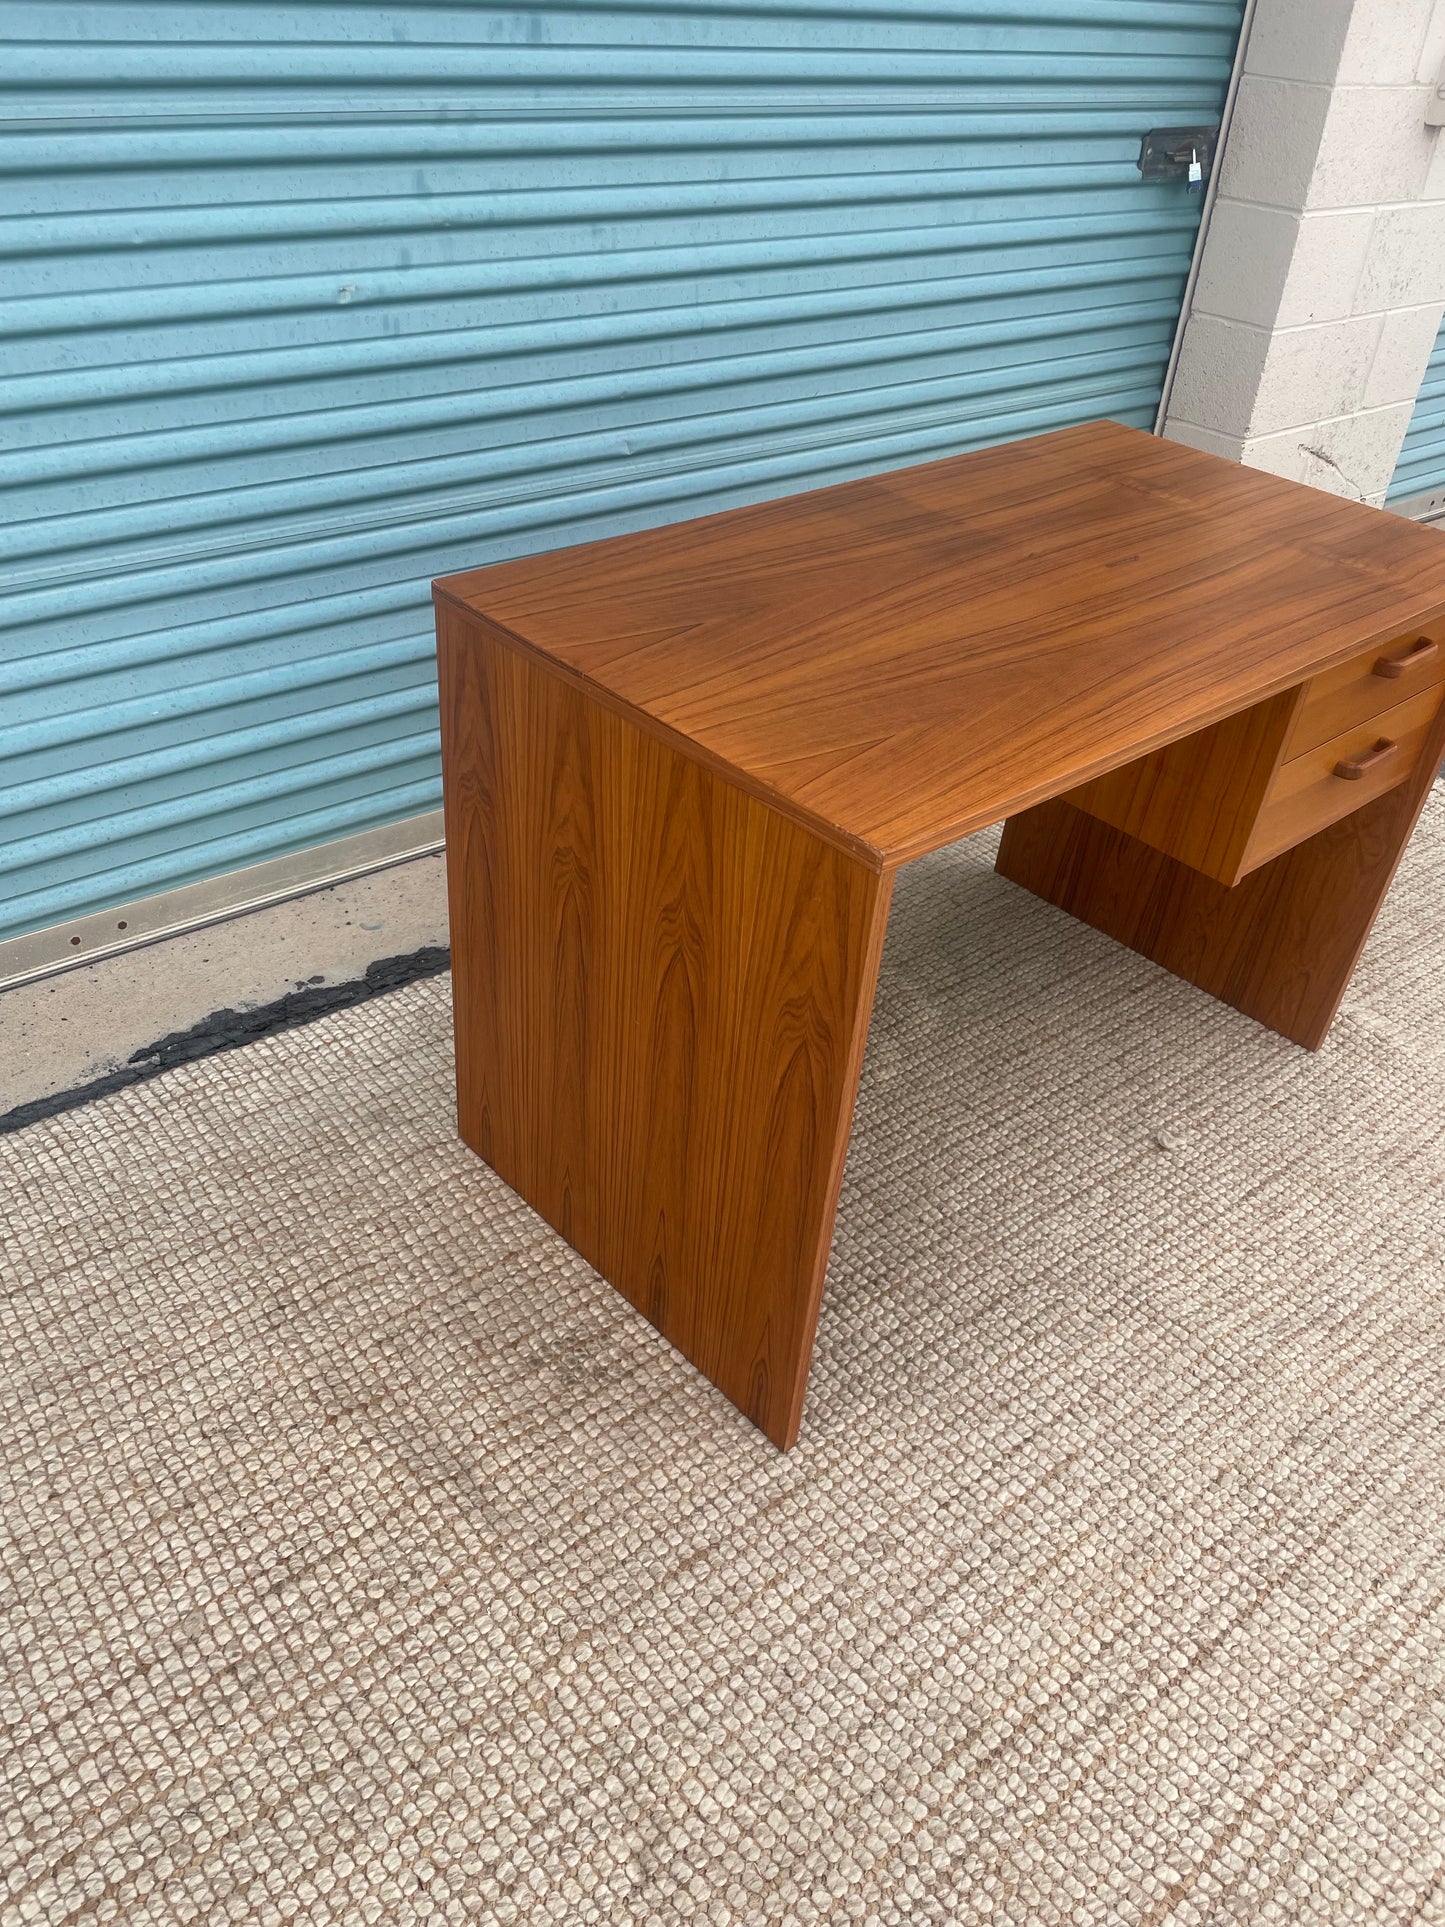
(1310, 792)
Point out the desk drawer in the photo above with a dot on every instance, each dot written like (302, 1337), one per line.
(1380, 679)
(1230, 797)
(1308, 793)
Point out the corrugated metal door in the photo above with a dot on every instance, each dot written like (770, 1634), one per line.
(1419, 478)
(307, 304)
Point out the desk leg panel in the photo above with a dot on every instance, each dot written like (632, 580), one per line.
(1281, 945)
(662, 989)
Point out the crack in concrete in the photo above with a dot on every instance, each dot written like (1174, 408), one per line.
(228, 1029)
(1308, 448)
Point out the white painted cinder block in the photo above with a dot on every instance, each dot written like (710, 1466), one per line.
(1322, 278)
(1274, 141)
(1299, 39)
(1402, 355)
(1313, 372)
(1432, 52)
(1354, 455)
(1405, 267)
(1229, 446)
(1221, 363)
(1247, 261)
(1383, 42)
(1374, 147)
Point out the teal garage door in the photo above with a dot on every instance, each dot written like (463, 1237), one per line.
(306, 304)
(1419, 481)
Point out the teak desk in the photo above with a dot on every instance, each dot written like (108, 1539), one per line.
(682, 768)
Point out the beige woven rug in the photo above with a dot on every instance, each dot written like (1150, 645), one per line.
(369, 1560)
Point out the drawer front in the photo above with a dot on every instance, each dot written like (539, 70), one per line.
(1308, 793)
(1380, 679)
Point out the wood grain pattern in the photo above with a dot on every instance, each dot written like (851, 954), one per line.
(662, 995)
(1280, 946)
(681, 768)
(1225, 800)
(899, 660)
(1199, 800)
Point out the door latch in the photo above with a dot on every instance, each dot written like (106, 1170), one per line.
(1178, 154)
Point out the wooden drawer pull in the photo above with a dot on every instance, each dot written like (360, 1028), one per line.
(1357, 766)
(1423, 651)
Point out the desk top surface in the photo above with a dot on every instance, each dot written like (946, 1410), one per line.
(903, 659)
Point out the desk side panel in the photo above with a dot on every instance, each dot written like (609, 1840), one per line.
(1281, 946)
(662, 994)
(1197, 799)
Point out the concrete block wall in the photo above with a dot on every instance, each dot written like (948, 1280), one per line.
(1322, 278)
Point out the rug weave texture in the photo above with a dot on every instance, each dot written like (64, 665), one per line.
(368, 1560)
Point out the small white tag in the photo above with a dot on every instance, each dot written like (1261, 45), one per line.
(1196, 172)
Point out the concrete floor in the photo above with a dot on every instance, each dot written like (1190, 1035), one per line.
(373, 1556)
(70, 1029)
(73, 1028)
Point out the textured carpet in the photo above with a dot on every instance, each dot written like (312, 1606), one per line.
(368, 1560)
